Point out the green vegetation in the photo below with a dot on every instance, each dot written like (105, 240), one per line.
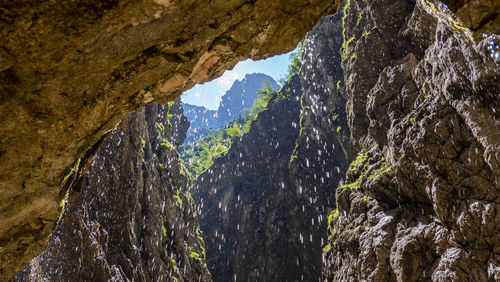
(174, 265)
(333, 216)
(359, 169)
(63, 203)
(382, 169)
(199, 157)
(177, 197)
(194, 254)
(295, 62)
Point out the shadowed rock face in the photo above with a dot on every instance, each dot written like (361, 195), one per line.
(133, 220)
(245, 200)
(71, 70)
(423, 102)
(481, 16)
(264, 206)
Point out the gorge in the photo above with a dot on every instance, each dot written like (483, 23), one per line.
(376, 160)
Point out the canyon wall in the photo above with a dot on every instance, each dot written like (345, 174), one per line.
(134, 219)
(264, 205)
(244, 199)
(71, 70)
(421, 199)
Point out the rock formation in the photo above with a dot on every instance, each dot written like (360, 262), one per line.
(134, 219)
(201, 121)
(420, 201)
(241, 96)
(244, 197)
(263, 207)
(237, 99)
(480, 16)
(71, 70)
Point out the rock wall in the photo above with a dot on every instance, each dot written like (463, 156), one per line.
(264, 206)
(134, 219)
(245, 200)
(241, 96)
(322, 150)
(420, 201)
(71, 70)
(480, 16)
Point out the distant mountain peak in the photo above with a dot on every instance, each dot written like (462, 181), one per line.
(238, 98)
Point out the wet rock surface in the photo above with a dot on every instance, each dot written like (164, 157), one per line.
(71, 70)
(134, 219)
(264, 206)
(481, 16)
(245, 200)
(420, 201)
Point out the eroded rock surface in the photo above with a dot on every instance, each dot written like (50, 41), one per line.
(134, 220)
(481, 16)
(421, 199)
(71, 70)
(264, 206)
(245, 200)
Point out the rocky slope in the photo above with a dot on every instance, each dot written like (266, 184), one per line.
(322, 150)
(237, 99)
(134, 220)
(241, 96)
(71, 70)
(422, 103)
(264, 205)
(244, 199)
(201, 120)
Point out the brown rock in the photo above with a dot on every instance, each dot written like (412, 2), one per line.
(71, 70)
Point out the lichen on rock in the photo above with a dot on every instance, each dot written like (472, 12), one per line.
(422, 100)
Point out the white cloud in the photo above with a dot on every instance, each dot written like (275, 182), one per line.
(228, 78)
(197, 95)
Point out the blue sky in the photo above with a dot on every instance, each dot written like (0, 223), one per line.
(210, 93)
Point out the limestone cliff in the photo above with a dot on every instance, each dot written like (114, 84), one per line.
(264, 206)
(241, 96)
(245, 200)
(134, 219)
(71, 70)
(421, 200)
(234, 102)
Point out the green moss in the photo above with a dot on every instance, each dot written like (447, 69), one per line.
(335, 116)
(62, 204)
(194, 254)
(447, 17)
(345, 44)
(165, 143)
(360, 16)
(174, 265)
(333, 216)
(178, 198)
(160, 128)
(326, 248)
(350, 186)
(338, 129)
(382, 169)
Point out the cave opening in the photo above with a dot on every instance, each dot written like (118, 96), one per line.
(265, 161)
(368, 153)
